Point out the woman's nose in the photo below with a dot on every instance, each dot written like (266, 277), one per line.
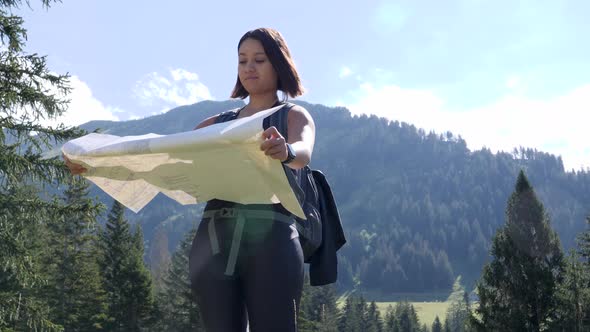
(250, 66)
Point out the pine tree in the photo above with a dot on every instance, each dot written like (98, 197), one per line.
(390, 321)
(304, 321)
(362, 311)
(374, 318)
(436, 325)
(180, 311)
(319, 311)
(139, 295)
(159, 257)
(352, 319)
(126, 278)
(572, 294)
(458, 312)
(74, 289)
(447, 325)
(328, 320)
(517, 291)
(406, 317)
(583, 242)
(584, 245)
(29, 92)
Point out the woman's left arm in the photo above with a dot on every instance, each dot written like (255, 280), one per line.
(301, 129)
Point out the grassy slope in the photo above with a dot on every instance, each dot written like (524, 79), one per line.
(426, 311)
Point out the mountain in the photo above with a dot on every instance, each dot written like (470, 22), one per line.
(418, 208)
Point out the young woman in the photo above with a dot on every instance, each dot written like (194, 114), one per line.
(255, 273)
(246, 262)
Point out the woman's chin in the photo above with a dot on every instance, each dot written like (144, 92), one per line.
(254, 91)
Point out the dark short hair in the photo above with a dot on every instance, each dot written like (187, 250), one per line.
(278, 53)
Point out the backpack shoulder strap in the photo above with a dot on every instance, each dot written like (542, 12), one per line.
(227, 116)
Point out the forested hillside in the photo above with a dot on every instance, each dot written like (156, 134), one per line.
(419, 208)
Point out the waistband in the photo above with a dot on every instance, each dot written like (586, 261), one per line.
(248, 214)
(240, 215)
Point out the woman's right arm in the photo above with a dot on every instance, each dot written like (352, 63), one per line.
(207, 122)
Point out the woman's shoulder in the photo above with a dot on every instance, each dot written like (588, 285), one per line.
(298, 112)
(207, 122)
(221, 117)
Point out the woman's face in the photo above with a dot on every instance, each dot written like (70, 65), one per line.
(255, 71)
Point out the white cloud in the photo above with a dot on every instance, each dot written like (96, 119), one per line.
(83, 107)
(345, 72)
(180, 87)
(557, 125)
(180, 74)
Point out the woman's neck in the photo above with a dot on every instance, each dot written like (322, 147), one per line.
(261, 102)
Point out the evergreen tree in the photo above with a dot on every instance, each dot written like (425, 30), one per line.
(362, 310)
(14, 292)
(459, 311)
(390, 322)
(140, 302)
(584, 245)
(406, 318)
(583, 242)
(74, 289)
(374, 318)
(29, 92)
(352, 318)
(447, 325)
(517, 291)
(126, 278)
(328, 320)
(305, 311)
(319, 311)
(180, 311)
(159, 257)
(436, 325)
(572, 296)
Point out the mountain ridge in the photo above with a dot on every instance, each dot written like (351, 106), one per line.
(419, 208)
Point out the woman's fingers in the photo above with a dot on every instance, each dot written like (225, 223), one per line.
(75, 169)
(277, 152)
(271, 143)
(271, 132)
(274, 144)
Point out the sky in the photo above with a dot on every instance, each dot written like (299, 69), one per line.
(501, 74)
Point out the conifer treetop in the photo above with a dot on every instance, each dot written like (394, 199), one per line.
(522, 183)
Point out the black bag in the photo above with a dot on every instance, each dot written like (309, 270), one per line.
(310, 229)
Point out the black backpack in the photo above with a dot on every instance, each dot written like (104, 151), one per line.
(304, 185)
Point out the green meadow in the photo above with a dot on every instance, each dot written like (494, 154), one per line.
(426, 305)
(426, 311)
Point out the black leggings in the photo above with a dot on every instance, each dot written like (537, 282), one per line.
(265, 286)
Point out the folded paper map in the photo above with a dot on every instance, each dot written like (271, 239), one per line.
(221, 161)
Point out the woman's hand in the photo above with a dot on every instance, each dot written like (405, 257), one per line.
(76, 169)
(274, 145)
